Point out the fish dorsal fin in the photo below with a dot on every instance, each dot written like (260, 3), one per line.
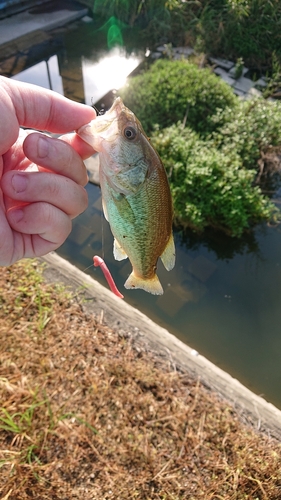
(151, 285)
(118, 251)
(168, 257)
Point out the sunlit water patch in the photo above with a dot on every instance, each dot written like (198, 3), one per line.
(109, 72)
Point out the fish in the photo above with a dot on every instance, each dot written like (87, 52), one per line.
(136, 195)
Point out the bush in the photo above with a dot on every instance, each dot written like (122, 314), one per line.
(255, 125)
(172, 91)
(239, 28)
(208, 187)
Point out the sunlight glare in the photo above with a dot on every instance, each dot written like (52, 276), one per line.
(107, 74)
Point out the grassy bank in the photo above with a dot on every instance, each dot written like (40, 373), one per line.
(84, 414)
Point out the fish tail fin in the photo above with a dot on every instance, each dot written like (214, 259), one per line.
(151, 285)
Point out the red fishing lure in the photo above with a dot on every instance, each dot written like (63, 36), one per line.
(98, 261)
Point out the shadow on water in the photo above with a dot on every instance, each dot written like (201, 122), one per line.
(223, 296)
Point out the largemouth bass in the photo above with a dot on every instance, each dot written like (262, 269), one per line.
(135, 194)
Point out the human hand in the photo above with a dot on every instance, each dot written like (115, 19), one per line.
(36, 207)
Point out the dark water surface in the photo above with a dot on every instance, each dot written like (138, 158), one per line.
(224, 296)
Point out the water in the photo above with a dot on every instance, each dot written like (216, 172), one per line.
(223, 297)
(228, 309)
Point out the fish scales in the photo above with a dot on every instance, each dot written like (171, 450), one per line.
(131, 229)
(136, 195)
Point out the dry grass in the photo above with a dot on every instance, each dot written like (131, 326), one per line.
(84, 415)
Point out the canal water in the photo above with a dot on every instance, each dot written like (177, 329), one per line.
(223, 298)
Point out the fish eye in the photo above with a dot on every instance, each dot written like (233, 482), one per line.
(130, 133)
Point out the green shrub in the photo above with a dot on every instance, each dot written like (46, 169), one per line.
(208, 187)
(172, 91)
(253, 127)
(239, 28)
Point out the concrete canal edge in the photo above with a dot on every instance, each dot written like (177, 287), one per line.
(147, 335)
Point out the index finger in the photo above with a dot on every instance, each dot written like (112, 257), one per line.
(43, 109)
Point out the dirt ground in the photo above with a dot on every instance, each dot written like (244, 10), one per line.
(85, 413)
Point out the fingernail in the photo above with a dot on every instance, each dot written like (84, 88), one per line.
(43, 147)
(19, 182)
(17, 214)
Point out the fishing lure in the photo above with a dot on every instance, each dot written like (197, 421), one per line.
(99, 262)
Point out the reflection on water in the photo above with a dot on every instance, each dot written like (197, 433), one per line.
(75, 62)
(223, 297)
(99, 77)
(45, 73)
(224, 247)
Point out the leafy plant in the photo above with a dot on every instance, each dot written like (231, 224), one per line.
(239, 28)
(172, 91)
(255, 125)
(239, 66)
(208, 187)
(273, 88)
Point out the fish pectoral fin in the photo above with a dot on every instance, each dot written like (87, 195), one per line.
(168, 257)
(118, 251)
(104, 210)
(151, 285)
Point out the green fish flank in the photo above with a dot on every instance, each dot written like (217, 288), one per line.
(136, 195)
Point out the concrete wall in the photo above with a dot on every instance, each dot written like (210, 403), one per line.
(9, 7)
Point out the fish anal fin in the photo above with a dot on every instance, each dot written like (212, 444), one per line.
(168, 257)
(151, 285)
(118, 251)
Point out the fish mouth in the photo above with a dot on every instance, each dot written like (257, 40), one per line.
(117, 109)
(107, 126)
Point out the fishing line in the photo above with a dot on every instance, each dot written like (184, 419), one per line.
(93, 106)
(102, 233)
(92, 265)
